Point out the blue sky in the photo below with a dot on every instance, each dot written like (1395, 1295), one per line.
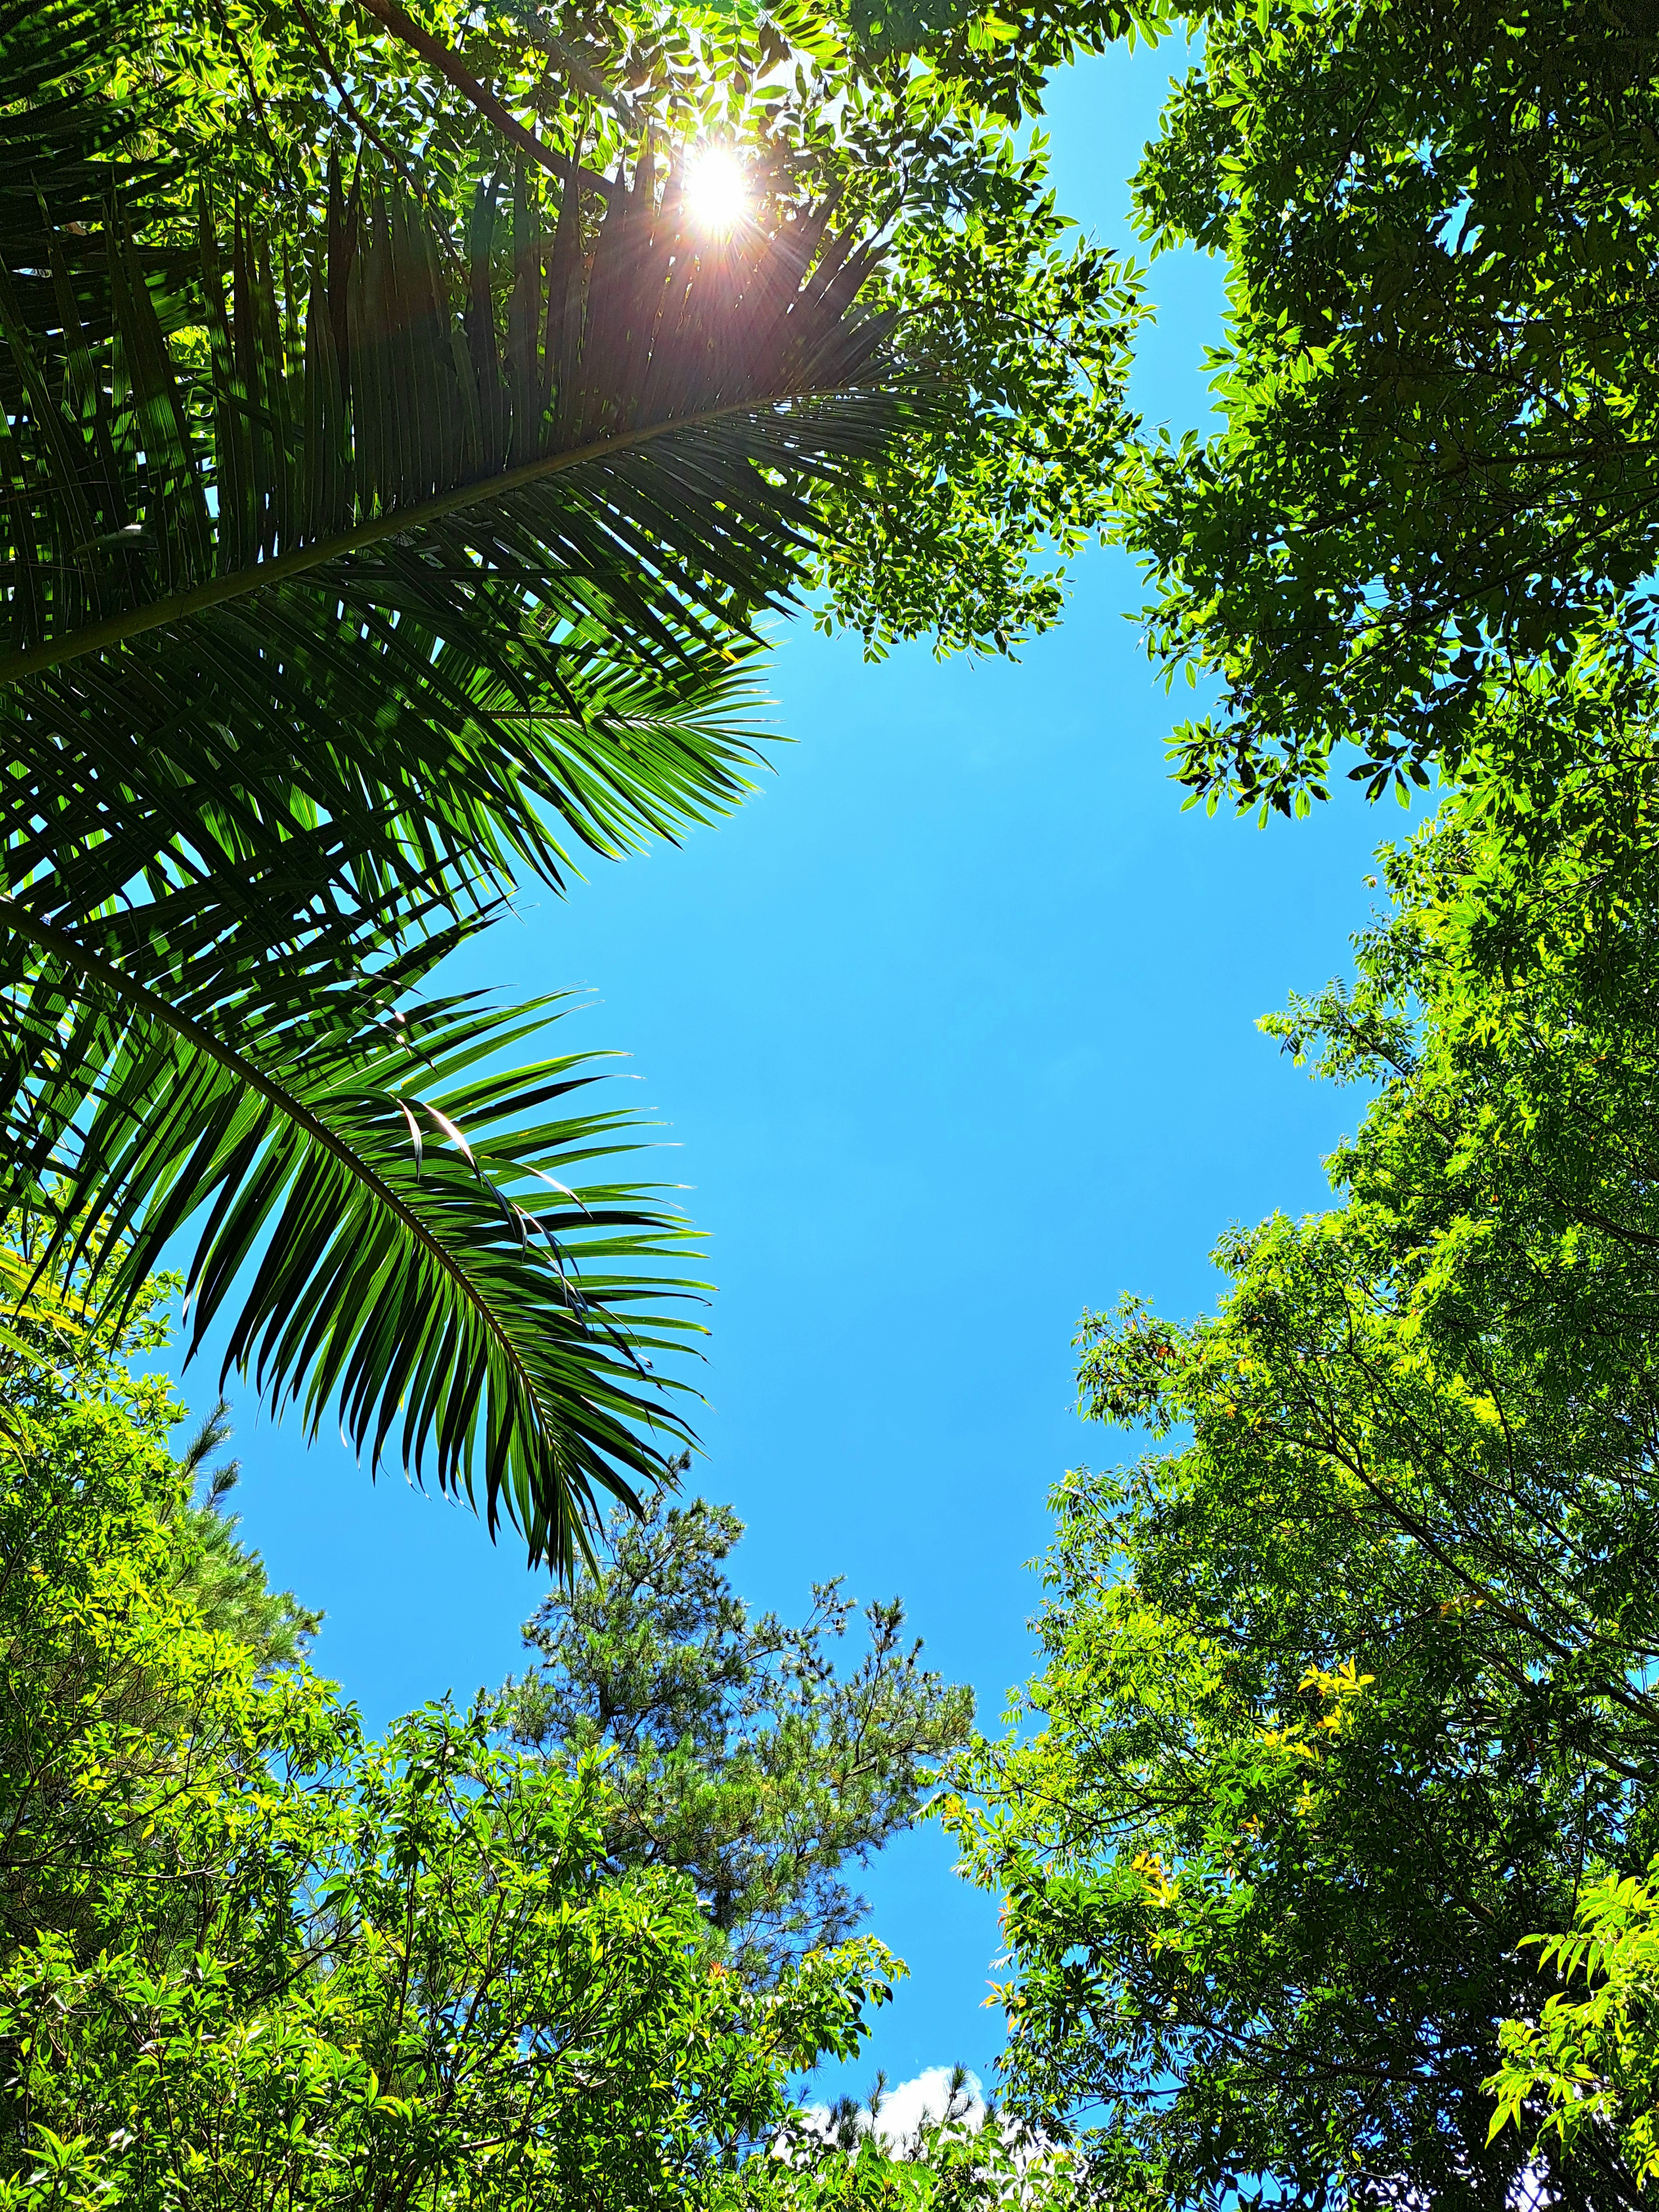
(953, 1030)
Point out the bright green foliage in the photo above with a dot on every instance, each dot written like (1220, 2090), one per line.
(460, 2006)
(737, 1753)
(996, 60)
(1438, 459)
(1344, 1696)
(962, 528)
(964, 2160)
(116, 1696)
(247, 1956)
(1593, 2060)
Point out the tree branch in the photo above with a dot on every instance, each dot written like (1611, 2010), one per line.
(392, 18)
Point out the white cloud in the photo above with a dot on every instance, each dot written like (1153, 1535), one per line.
(912, 2104)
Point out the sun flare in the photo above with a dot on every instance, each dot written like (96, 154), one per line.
(716, 190)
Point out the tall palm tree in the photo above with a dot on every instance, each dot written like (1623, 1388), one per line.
(340, 593)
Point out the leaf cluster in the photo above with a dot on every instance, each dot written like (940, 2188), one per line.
(246, 1951)
(968, 2157)
(1435, 469)
(1590, 2058)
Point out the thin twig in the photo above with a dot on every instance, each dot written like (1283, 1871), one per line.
(354, 114)
(402, 26)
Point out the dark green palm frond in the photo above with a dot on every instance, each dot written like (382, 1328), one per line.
(121, 839)
(52, 127)
(482, 565)
(334, 598)
(423, 1249)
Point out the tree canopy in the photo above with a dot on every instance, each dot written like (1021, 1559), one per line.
(958, 528)
(1326, 1835)
(246, 1951)
(400, 468)
(1345, 1697)
(1433, 482)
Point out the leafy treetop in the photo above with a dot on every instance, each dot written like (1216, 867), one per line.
(1347, 1686)
(736, 1752)
(246, 1952)
(1433, 484)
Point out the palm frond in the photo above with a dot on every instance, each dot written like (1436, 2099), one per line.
(458, 1287)
(480, 563)
(333, 598)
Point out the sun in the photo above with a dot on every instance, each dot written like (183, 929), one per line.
(716, 190)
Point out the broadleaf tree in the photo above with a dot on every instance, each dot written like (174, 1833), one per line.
(1346, 1690)
(245, 1950)
(1431, 485)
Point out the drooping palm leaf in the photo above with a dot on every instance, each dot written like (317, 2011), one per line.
(444, 1286)
(319, 633)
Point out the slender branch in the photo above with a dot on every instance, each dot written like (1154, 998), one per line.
(229, 30)
(353, 113)
(401, 26)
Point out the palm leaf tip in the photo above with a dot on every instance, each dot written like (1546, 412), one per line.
(478, 1306)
